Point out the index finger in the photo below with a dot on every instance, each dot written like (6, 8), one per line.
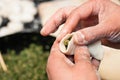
(78, 14)
(56, 20)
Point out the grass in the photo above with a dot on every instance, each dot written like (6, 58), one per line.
(28, 62)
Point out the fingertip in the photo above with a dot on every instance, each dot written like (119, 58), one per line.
(42, 32)
(45, 31)
(88, 35)
(79, 38)
(81, 54)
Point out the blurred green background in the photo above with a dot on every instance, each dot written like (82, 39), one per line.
(25, 56)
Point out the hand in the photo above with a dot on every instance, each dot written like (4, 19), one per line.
(59, 67)
(99, 19)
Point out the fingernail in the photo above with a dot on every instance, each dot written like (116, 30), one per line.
(43, 31)
(69, 62)
(79, 38)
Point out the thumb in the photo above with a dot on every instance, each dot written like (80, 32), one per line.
(81, 55)
(90, 34)
(83, 63)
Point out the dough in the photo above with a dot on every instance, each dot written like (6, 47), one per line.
(109, 68)
(67, 47)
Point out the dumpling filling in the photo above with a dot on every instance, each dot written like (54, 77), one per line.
(66, 42)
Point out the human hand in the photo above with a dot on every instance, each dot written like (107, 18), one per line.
(98, 18)
(59, 67)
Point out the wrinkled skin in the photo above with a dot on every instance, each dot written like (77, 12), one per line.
(59, 67)
(94, 20)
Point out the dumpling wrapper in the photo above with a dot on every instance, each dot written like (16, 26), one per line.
(109, 68)
(95, 49)
(69, 50)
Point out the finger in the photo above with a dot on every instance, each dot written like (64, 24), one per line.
(78, 14)
(81, 55)
(83, 62)
(56, 20)
(57, 58)
(87, 35)
(94, 33)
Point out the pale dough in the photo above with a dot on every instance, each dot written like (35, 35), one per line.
(95, 49)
